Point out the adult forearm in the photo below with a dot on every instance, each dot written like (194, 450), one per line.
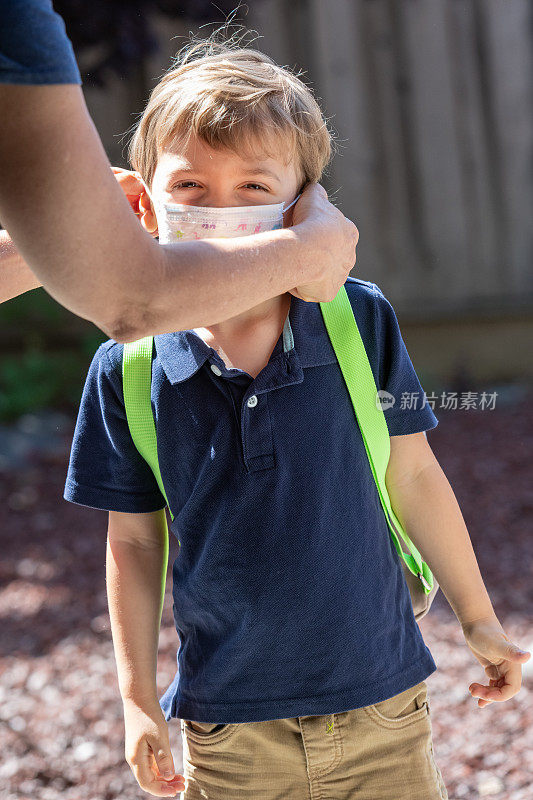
(230, 275)
(429, 511)
(15, 275)
(235, 277)
(61, 204)
(74, 228)
(134, 577)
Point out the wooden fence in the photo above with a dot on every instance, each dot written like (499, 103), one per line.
(432, 103)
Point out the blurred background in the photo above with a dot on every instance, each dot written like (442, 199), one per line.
(432, 105)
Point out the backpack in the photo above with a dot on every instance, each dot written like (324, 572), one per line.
(353, 361)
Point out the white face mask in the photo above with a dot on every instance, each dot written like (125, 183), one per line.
(177, 222)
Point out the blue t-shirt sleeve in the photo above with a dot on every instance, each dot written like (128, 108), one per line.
(407, 409)
(34, 48)
(106, 470)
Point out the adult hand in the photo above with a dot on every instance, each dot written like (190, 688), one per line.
(501, 658)
(132, 186)
(147, 749)
(331, 237)
(331, 240)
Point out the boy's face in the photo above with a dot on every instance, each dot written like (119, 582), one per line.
(199, 175)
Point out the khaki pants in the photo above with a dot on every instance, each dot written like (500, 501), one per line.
(378, 752)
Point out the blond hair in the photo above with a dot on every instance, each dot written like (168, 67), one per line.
(232, 97)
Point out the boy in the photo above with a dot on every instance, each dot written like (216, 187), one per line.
(301, 669)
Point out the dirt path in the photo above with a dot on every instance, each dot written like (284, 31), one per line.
(61, 729)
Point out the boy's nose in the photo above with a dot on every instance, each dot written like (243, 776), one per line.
(219, 201)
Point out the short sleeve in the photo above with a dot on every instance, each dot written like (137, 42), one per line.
(106, 470)
(34, 47)
(403, 399)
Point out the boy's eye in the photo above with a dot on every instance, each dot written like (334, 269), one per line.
(184, 185)
(193, 184)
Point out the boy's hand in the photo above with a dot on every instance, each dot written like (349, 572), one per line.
(501, 658)
(147, 749)
(331, 240)
(131, 185)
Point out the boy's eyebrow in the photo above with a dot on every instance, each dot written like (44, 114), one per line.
(257, 170)
(178, 170)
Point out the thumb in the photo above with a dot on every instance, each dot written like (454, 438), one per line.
(511, 652)
(164, 760)
(315, 188)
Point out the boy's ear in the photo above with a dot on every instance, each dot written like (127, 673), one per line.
(147, 214)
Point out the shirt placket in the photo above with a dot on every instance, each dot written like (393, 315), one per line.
(256, 431)
(256, 419)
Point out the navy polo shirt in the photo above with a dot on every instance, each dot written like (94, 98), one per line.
(289, 596)
(34, 48)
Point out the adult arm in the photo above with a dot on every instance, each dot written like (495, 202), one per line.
(74, 228)
(15, 275)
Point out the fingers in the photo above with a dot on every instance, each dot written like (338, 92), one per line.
(316, 188)
(163, 761)
(169, 784)
(131, 185)
(144, 767)
(122, 171)
(158, 786)
(505, 684)
(126, 177)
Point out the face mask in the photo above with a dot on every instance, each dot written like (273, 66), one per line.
(177, 221)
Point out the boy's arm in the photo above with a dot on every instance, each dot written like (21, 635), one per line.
(136, 564)
(425, 504)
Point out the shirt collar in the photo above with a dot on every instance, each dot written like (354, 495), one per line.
(304, 339)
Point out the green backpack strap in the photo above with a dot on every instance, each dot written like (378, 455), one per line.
(353, 361)
(351, 354)
(136, 385)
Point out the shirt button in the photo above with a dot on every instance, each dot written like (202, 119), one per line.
(216, 370)
(252, 401)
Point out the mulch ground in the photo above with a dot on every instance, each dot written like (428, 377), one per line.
(61, 727)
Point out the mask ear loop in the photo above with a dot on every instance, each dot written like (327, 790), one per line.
(293, 202)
